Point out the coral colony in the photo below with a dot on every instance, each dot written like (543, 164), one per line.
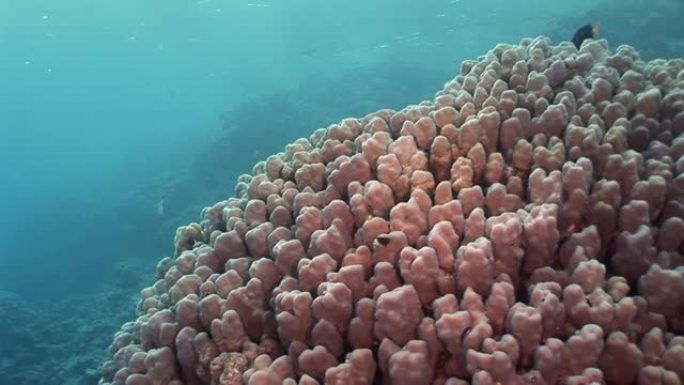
(524, 227)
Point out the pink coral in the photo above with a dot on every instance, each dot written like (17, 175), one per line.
(523, 227)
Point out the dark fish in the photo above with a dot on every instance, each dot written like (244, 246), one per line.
(382, 240)
(587, 32)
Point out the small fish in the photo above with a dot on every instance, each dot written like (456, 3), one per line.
(586, 32)
(160, 208)
(381, 240)
(309, 52)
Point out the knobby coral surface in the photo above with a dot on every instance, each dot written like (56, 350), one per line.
(524, 227)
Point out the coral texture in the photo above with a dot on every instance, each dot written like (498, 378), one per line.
(524, 227)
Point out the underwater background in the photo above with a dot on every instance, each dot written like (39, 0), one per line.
(120, 121)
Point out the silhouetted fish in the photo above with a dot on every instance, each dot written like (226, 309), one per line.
(586, 32)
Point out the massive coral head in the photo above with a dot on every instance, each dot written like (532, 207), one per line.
(524, 226)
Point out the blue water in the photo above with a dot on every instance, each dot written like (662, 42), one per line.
(109, 107)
